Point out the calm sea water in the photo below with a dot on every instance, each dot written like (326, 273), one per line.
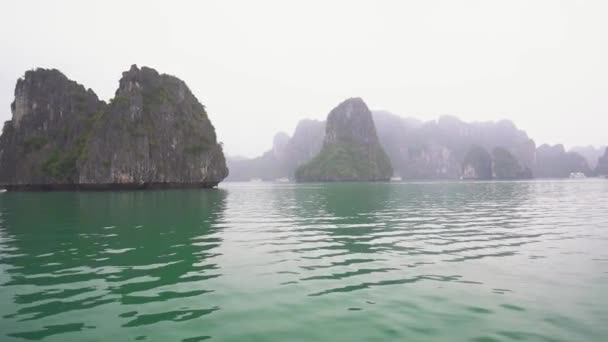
(495, 261)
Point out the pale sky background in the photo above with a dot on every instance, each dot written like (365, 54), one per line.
(261, 66)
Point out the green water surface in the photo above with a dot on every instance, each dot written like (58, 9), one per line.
(461, 261)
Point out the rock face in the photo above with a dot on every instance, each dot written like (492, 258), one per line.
(477, 164)
(602, 164)
(284, 157)
(590, 153)
(305, 144)
(436, 149)
(44, 141)
(506, 166)
(266, 167)
(417, 150)
(153, 133)
(351, 150)
(279, 145)
(555, 162)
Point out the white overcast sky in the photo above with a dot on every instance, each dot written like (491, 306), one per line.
(260, 66)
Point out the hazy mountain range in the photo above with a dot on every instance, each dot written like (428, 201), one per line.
(433, 149)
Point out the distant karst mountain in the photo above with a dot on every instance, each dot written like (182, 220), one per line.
(477, 164)
(602, 164)
(284, 157)
(351, 150)
(590, 153)
(446, 148)
(153, 133)
(506, 166)
(438, 149)
(555, 162)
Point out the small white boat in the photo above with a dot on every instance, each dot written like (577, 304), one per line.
(282, 180)
(396, 179)
(577, 175)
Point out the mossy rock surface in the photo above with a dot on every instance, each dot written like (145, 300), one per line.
(154, 131)
(351, 150)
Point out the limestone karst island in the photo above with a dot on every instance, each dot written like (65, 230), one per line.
(356, 144)
(154, 133)
(351, 150)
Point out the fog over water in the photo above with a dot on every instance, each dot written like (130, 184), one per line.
(260, 67)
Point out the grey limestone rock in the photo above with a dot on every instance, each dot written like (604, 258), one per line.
(153, 134)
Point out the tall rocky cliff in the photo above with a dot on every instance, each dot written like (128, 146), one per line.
(602, 164)
(153, 133)
(555, 162)
(286, 155)
(417, 150)
(590, 153)
(305, 144)
(437, 149)
(477, 164)
(431, 150)
(265, 167)
(351, 150)
(506, 166)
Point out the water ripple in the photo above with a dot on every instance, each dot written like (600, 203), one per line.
(432, 261)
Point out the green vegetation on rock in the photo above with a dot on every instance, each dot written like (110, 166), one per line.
(60, 166)
(346, 162)
(34, 143)
(154, 131)
(351, 150)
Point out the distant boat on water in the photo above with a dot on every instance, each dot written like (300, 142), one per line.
(577, 175)
(282, 180)
(396, 179)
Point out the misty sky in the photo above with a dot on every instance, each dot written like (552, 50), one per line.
(260, 66)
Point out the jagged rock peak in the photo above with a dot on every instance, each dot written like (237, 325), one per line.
(351, 150)
(153, 133)
(351, 120)
(47, 92)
